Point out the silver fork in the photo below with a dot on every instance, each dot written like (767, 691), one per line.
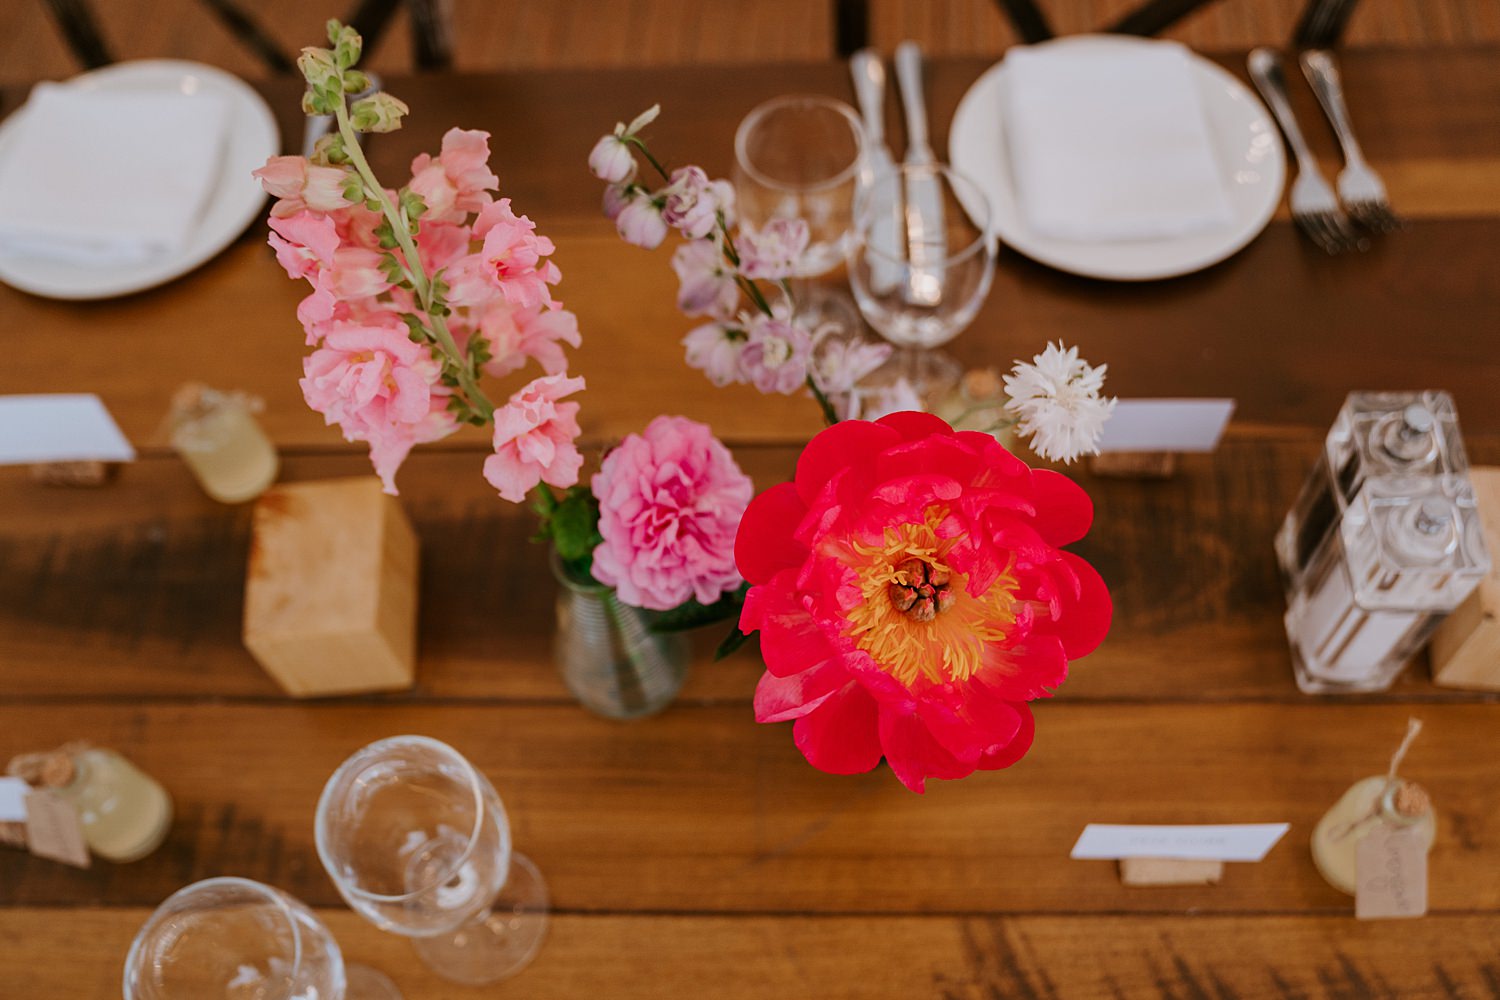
(1315, 208)
(1360, 188)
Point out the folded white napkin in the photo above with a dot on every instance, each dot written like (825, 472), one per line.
(1111, 144)
(108, 177)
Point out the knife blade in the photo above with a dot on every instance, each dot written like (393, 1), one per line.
(926, 240)
(876, 175)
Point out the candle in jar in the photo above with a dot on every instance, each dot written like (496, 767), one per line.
(218, 437)
(1379, 799)
(124, 813)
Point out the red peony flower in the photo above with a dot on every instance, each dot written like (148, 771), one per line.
(911, 597)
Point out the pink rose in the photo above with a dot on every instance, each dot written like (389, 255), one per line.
(300, 185)
(774, 250)
(534, 439)
(670, 502)
(458, 181)
(693, 202)
(380, 388)
(640, 223)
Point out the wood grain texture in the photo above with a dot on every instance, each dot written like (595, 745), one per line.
(701, 810)
(165, 568)
(950, 958)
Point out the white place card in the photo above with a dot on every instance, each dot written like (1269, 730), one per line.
(62, 427)
(1242, 842)
(1166, 425)
(13, 792)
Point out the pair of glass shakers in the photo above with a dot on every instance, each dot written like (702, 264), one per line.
(417, 842)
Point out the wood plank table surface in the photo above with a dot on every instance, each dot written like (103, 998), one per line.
(696, 853)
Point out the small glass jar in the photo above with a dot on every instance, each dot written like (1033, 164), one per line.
(218, 437)
(1379, 799)
(123, 812)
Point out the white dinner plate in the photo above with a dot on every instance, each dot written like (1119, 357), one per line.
(1246, 145)
(234, 201)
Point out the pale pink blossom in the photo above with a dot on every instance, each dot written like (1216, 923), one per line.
(535, 437)
(304, 243)
(707, 285)
(611, 160)
(774, 250)
(693, 202)
(670, 502)
(300, 185)
(840, 362)
(640, 223)
(714, 349)
(514, 335)
(380, 388)
(458, 180)
(356, 225)
(441, 244)
(616, 197)
(776, 355)
(355, 274)
(514, 256)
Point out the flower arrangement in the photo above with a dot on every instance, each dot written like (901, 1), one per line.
(421, 294)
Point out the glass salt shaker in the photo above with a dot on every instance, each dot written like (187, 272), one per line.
(124, 812)
(1369, 802)
(217, 435)
(1383, 541)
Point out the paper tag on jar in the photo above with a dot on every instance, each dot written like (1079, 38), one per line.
(1390, 866)
(53, 830)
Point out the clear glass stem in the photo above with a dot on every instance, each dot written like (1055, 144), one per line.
(500, 940)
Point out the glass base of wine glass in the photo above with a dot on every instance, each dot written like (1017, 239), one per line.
(816, 306)
(502, 941)
(364, 983)
(930, 374)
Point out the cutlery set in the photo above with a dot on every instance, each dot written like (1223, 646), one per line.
(1336, 222)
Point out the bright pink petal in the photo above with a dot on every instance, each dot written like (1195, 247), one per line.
(766, 540)
(1063, 510)
(841, 735)
(1013, 751)
(914, 425)
(912, 751)
(778, 699)
(845, 443)
(1085, 618)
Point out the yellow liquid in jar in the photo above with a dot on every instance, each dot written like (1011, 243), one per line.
(124, 813)
(230, 455)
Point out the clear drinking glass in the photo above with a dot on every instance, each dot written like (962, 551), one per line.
(921, 268)
(242, 940)
(418, 844)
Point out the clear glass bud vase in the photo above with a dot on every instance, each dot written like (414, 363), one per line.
(609, 657)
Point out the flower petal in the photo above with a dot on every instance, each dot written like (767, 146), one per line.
(778, 699)
(1085, 617)
(913, 425)
(790, 640)
(1063, 510)
(766, 541)
(840, 736)
(913, 752)
(846, 443)
(1013, 751)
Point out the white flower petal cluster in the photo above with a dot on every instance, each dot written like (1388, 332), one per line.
(1056, 398)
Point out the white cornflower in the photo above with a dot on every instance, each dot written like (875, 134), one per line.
(1056, 399)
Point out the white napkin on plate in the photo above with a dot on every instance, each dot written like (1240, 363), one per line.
(1111, 143)
(108, 177)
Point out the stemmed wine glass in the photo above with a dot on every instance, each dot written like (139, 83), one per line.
(418, 844)
(800, 156)
(242, 940)
(920, 284)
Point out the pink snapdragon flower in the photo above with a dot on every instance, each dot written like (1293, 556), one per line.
(514, 256)
(380, 388)
(640, 221)
(774, 250)
(514, 335)
(458, 181)
(300, 185)
(707, 285)
(670, 501)
(535, 437)
(776, 355)
(304, 243)
(714, 349)
(693, 202)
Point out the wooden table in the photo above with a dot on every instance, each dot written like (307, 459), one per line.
(696, 854)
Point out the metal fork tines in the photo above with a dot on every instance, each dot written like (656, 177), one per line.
(1315, 208)
(1360, 187)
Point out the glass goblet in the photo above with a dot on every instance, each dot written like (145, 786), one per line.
(921, 267)
(417, 842)
(242, 940)
(800, 156)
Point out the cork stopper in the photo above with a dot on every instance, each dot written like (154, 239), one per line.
(1411, 800)
(47, 768)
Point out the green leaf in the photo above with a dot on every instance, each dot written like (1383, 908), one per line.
(691, 614)
(575, 525)
(733, 641)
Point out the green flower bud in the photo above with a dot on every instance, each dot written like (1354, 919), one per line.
(317, 66)
(377, 113)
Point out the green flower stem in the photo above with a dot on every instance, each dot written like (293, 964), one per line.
(412, 266)
(830, 417)
(638, 144)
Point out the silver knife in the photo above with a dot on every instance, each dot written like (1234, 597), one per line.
(869, 87)
(927, 243)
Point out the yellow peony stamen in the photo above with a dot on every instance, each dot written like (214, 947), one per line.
(942, 642)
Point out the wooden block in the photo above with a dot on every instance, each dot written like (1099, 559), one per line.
(331, 590)
(1170, 871)
(86, 473)
(1465, 650)
(1134, 464)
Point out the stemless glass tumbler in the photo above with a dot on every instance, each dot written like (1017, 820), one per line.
(418, 844)
(242, 940)
(921, 268)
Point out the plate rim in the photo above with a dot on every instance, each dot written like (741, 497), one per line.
(191, 259)
(1255, 224)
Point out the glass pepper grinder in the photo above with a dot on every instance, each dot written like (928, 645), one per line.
(1370, 802)
(124, 812)
(217, 435)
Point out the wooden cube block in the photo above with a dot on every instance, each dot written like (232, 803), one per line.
(1465, 649)
(331, 590)
(1170, 871)
(1134, 464)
